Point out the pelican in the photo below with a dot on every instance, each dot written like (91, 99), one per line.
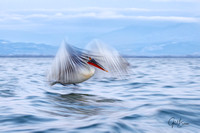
(73, 65)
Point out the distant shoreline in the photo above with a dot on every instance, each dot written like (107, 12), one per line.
(51, 56)
(26, 56)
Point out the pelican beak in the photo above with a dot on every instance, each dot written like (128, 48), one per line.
(96, 64)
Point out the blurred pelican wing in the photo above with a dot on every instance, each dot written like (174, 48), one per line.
(67, 65)
(109, 58)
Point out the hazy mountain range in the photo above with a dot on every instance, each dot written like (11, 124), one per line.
(156, 39)
(21, 48)
(136, 39)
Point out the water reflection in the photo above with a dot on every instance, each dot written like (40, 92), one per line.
(78, 104)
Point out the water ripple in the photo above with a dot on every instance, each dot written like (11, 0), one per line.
(154, 91)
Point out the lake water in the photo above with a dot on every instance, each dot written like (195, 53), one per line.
(158, 94)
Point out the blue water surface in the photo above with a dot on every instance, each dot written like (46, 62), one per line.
(158, 94)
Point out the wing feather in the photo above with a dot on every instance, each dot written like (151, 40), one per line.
(67, 65)
(109, 58)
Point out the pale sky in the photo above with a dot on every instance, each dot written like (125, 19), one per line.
(51, 21)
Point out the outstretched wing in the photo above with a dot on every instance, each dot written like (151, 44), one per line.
(109, 58)
(67, 65)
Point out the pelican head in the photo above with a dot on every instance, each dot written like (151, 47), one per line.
(94, 63)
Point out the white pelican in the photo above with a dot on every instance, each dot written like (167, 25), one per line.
(73, 65)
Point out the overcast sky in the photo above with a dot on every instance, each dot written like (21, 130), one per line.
(50, 21)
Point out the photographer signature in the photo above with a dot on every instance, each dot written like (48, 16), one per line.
(179, 123)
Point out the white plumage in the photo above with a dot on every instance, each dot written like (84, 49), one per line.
(73, 65)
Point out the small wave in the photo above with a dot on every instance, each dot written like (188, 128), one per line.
(23, 119)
